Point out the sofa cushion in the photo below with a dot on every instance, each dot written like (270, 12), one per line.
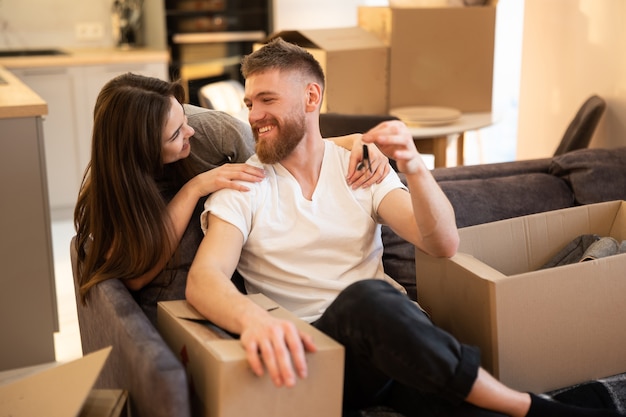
(486, 200)
(499, 169)
(399, 260)
(595, 175)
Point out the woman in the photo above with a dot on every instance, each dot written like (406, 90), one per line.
(142, 188)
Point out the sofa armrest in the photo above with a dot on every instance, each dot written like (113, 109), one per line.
(595, 175)
(140, 361)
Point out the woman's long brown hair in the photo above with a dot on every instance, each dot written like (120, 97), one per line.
(122, 229)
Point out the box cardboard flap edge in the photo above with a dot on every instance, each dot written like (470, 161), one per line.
(330, 39)
(60, 390)
(184, 310)
(181, 309)
(534, 239)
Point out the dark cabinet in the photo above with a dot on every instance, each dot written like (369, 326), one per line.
(208, 38)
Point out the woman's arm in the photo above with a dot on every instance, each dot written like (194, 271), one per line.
(181, 207)
(363, 177)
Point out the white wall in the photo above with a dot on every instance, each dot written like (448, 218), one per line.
(314, 14)
(52, 23)
(45, 23)
(498, 142)
(571, 49)
(317, 14)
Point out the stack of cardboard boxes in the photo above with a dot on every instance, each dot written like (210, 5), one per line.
(437, 56)
(400, 57)
(355, 63)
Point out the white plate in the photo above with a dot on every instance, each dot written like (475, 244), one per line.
(426, 115)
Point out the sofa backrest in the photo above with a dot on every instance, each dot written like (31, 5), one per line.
(140, 361)
(478, 201)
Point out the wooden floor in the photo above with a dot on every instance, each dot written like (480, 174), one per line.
(67, 340)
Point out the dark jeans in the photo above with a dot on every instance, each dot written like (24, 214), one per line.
(396, 357)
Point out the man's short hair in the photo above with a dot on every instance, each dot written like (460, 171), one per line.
(282, 55)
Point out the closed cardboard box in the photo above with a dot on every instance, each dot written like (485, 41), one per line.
(538, 330)
(438, 56)
(355, 63)
(221, 382)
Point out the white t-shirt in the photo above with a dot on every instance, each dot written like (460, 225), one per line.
(301, 253)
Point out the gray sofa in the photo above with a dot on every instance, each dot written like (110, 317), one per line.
(142, 363)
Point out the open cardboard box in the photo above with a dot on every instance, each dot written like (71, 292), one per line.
(355, 63)
(60, 390)
(538, 330)
(438, 56)
(221, 382)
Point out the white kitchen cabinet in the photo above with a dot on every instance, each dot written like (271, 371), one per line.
(71, 93)
(57, 86)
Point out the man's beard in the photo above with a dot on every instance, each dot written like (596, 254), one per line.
(275, 150)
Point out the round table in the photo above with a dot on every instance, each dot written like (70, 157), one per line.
(435, 139)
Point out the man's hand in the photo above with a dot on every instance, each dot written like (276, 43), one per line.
(394, 139)
(279, 346)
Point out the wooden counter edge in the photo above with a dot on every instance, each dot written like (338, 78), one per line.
(18, 100)
(88, 56)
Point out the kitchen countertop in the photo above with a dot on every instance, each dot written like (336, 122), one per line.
(87, 56)
(17, 100)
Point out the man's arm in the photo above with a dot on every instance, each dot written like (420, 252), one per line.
(424, 216)
(269, 342)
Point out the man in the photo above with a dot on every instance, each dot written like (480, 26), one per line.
(309, 241)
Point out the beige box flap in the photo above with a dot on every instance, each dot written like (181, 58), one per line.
(526, 243)
(59, 391)
(183, 310)
(333, 39)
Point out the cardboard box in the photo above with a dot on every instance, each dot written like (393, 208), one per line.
(355, 63)
(439, 56)
(538, 330)
(221, 382)
(60, 390)
(106, 403)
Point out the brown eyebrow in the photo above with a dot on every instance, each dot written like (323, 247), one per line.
(260, 95)
(181, 125)
(177, 131)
